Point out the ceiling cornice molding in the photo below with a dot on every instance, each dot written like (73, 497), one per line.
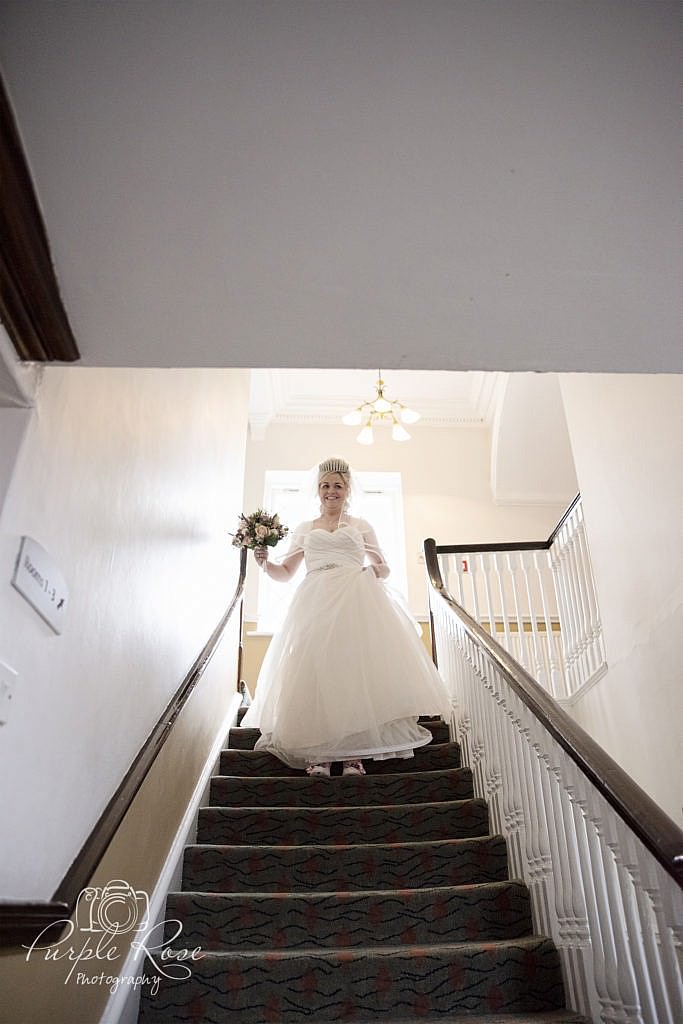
(293, 419)
(487, 389)
(444, 399)
(262, 402)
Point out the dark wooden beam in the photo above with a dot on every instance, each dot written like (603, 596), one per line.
(31, 306)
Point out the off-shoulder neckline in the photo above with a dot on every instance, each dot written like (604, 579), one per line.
(342, 526)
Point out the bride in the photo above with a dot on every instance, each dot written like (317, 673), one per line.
(346, 677)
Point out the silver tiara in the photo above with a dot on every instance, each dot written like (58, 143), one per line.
(333, 466)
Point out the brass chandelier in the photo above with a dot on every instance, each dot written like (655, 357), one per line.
(380, 410)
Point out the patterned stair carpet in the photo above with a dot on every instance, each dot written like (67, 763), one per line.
(381, 898)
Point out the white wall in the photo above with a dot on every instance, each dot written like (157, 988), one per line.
(531, 455)
(446, 487)
(18, 382)
(129, 478)
(626, 433)
(13, 426)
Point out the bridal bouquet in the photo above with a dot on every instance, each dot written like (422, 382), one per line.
(258, 530)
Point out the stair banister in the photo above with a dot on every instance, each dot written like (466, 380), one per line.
(21, 921)
(538, 598)
(607, 879)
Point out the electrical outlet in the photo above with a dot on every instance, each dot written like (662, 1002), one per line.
(8, 679)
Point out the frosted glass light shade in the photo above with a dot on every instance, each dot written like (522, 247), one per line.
(398, 433)
(366, 436)
(352, 419)
(409, 416)
(381, 404)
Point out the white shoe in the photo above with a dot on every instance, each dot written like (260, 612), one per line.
(353, 768)
(319, 769)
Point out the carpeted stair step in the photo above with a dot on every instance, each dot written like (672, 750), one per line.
(432, 757)
(428, 787)
(414, 917)
(382, 983)
(289, 826)
(354, 867)
(438, 728)
(550, 1017)
(244, 739)
(240, 738)
(361, 900)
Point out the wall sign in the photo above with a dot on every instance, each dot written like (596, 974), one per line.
(38, 579)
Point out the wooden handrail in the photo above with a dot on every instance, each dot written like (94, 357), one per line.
(21, 921)
(655, 829)
(563, 519)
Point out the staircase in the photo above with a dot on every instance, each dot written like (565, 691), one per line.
(380, 898)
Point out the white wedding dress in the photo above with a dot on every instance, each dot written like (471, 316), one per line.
(347, 675)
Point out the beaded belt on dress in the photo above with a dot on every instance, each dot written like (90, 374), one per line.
(327, 565)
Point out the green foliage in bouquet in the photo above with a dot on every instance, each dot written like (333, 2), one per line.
(258, 530)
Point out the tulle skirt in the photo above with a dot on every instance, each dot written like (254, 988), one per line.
(347, 675)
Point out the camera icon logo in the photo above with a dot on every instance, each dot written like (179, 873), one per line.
(115, 908)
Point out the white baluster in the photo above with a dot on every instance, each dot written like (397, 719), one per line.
(574, 573)
(564, 605)
(667, 907)
(499, 571)
(514, 559)
(494, 772)
(513, 781)
(638, 931)
(582, 612)
(478, 711)
(595, 625)
(555, 568)
(556, 684)
(484, 559)
(532, 799)
(613, 974)
(473, 574)
(456, 566)
(572, 933)
(537, 670)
